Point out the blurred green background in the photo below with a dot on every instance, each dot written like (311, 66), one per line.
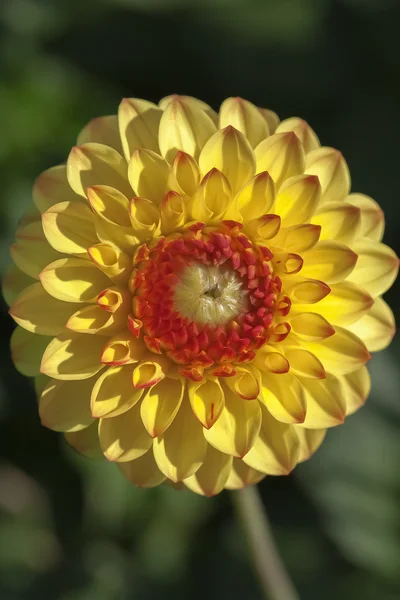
(71, 529)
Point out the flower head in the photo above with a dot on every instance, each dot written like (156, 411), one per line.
(200, 292)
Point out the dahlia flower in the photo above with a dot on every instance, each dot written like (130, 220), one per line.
(200, 293)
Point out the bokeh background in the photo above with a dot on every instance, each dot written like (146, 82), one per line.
(72, 529)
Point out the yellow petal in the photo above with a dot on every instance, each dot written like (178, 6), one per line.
(69, 227)
(95, 320)
(310, 441)
(181, 449)
(26, 351)
(207, 400)
(184, 126)
(52, 187)
(73, 280)
(110, 204)
(212, 198)
(255, 199)
(304, 363)
(298, 238)
(245, 117)
(283, 396)
(372, 219)
(112, 261)
(85, 441)
(332, 171)
(311, 326)
(282, 155)
(376, 268)
(303, 131)
(102, 130)
(142, 472)
(122, 349)
(31, 251)
(138, 125)
(298, 199)
(274, 362)
(238, 426)
(345, 304)
(276, 450)
(14, 281)
(185, 174)
(211, 478)
(308, 291)
(339, 221)
(193, 103)
(325, 403)
(95, 164)
(124, 438)
(151, 370)
(65, 405)
(113, 393)
(38, 312)
(263, 228)
(173, 212)
(329, 261)
(242, 475)
(115, 299)
(341, 353)
(148, 174)
(377, 328)
(245, 383)
(161, 404)
(145, 218)
(230, 152)
(72, 356)
(356, 387)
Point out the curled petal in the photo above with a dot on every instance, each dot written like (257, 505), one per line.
(264, 228)
(377, 328)
(255, 199)
(123, 438)
(161, 404)
(173, 212)
(72, 356)
(185, 174)
(109, 204)
(246, 118)
(274, 362)
(283, 397)
(376, 268)
(145, 218)
(212, 476)
(138, 122)
(282, 155)
(212, 198)
(113, 299)
(69, 227)
(245, 383)
(148, 174)
(303, 131)
(112, 261)
(332, 171)
(308, 291)
(95, 320)
(113, 393)
(298, 199)
(102, 130)
(150, 371)
(298, 238)
(73, 280)
(65, 405)
(122, 349)
(372, 218)
(207, 400)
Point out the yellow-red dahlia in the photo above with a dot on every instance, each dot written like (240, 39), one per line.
(200, 291)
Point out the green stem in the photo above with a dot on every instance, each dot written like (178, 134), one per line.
(272, 575)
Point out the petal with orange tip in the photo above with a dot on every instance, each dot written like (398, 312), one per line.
(372, 218)
(356, 387)
(212, 198)
(95, 164)
(298, 238)
(274, 362)
(148, 175)
(65, 405)
(230, 152)
(52, 187)
(69, 227)
(185, 174)
(184, 126)
(73, 280)
(143, 471)
(332, 171)
(180, 451)
(150, 370)
(212, 476)
(145, 218)
(138, 122)
(301, 128)
(161, 404)
(14, 281)
(329, 261)
(276, 450)
(338, 221)
(113, 299)
(341, 353)
(238, 426)
(287, 263)
(310, 440)
(308, 291)
(376, 268)
(26, 351)
(123, 438)
(377, 328)
(173, 212)
(311, 326)
(115, 263)
(283, 396)
(282, 155)
(85, 441)
(207, 400)
(245, 117)
(72, 356)
(110, 204)
(38, 312)
(263, 228)
(95, 320)
(298, 199)
(122, 349)
(326, 405)
(255, 199)
(192, 102)
(113, 393)
(102, 130)
(31, 251)
(245, 383)
(304, 363)
(242, 475)
(271, 117)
